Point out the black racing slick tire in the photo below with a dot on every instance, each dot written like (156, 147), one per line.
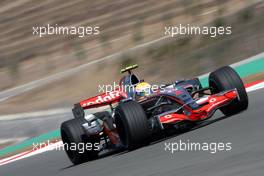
(78, 146)
(132, 125)
(226, 78)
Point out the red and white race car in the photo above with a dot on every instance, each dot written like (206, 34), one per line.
(132, 121)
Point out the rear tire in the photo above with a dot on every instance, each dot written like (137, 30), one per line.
(226, 78)
(132, 125)
(72, 133)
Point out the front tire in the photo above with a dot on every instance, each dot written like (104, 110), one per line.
(132, 125)
(226, 78)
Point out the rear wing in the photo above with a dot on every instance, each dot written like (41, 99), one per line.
(103, 99)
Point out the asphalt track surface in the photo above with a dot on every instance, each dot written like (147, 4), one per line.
(244, 131)
(31, 127)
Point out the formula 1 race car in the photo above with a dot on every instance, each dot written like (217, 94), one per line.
(136, 115)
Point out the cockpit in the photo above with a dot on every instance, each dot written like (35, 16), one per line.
(128, 83)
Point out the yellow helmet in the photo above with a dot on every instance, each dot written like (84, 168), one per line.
(142, 89)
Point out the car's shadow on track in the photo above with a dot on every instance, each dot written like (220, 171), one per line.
(164, 137)
(101, 156)
(157, 139)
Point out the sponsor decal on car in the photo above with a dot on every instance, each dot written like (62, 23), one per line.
(104, 98)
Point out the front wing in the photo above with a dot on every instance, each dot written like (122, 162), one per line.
(208, 106)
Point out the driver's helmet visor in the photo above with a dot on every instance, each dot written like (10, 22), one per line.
(143, 90)
(142, 94)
